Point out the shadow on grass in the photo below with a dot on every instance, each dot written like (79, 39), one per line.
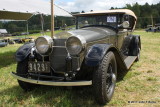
(121, 75)
(7, 58)
(127, 74)
(52, 96)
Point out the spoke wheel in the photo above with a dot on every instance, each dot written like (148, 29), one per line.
(110, 79)
(104, 79)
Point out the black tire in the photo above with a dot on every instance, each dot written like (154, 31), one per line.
(138, 54)
(136, 49)
(104, 79)
(22, 70)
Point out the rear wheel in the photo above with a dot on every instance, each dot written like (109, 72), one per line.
(104, 79)
(135, 49)
(22, 70)
(138, 54)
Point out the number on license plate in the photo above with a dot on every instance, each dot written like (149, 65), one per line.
(38, 67)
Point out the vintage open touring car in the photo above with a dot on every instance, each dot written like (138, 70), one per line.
(95, 53)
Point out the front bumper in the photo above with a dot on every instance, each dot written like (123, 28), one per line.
(52, 83)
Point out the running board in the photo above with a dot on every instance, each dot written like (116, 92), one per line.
(129, 61)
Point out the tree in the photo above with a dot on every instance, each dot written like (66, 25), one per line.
(136, 9)
(144, 13)
(12, 27)
(83, 11)
(112, 8)
(128, 6)
(1, 26)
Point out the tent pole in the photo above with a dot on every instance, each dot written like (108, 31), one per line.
(42, 23)
(152, 21)
(27, 29)
(52, 18)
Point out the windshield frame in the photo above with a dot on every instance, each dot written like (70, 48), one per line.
(94, 25)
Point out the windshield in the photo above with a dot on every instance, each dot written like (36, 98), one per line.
(107, 20)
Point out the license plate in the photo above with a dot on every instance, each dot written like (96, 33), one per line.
(39, 67)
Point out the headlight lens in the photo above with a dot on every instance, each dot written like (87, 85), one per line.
(44, 45)
(74, 45)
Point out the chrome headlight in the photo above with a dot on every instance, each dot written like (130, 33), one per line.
(75, 45)
(44, 45)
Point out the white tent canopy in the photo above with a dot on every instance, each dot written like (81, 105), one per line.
(29, 6)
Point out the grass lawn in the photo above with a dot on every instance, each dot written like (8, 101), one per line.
(142, 82)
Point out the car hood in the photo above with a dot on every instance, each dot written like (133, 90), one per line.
(89, 33)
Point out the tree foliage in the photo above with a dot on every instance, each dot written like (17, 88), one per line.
(145, 13)
(34, 23)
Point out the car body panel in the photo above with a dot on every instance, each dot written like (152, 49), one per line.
(107, 35)
(23, 52)
(96, 53)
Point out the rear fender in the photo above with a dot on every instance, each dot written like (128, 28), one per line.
(134, 44)
(24, 51)
(138, 40)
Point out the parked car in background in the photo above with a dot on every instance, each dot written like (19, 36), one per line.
(18, 40)
(9, 41)
(25, 40)
(157, 27)
(25, 33)
(3, 43)
(97, 52)
(150, 28)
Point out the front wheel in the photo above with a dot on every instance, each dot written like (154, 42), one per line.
(22, 70)
(104, 79)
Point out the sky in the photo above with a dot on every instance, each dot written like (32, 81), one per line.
(70, 5)
(87, 5)
(31, 6)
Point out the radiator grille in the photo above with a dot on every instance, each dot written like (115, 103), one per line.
(58, 57)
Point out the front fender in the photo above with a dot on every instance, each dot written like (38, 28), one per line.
(23, 51)
(96, 53)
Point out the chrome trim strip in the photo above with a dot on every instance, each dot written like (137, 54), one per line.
(53, 83)
(58, 46)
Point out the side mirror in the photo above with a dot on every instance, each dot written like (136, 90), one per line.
(125, 24)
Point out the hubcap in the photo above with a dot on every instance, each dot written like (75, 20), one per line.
(113, 78)
(110, 78)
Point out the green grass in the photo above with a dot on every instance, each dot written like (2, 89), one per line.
(142, 82)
